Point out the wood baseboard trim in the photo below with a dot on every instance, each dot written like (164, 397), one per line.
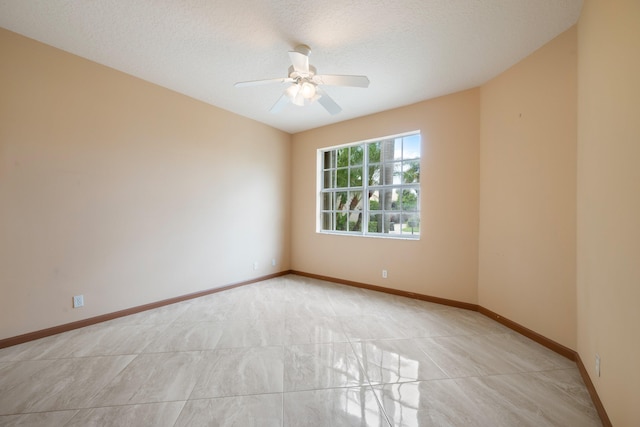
(443, 301)
(606, 422)
(540, 339)
(8, 342)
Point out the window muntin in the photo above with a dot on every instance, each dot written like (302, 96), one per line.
(371, 187)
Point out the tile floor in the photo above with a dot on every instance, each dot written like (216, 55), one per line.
(292, 351)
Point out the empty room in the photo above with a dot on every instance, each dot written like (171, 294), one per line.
(285, 213)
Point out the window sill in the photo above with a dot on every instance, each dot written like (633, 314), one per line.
(372, 236)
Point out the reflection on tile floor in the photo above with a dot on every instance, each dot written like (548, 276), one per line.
(292, 351)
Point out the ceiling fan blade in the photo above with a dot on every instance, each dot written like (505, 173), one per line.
(263, 82)
(280, 103)
(328, 103)
(300, 59)
(338, 80)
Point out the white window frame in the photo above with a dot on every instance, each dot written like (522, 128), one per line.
(366, 188)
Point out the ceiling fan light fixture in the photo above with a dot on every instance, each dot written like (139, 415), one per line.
(292, 91)
(298, 99)
(308, 90)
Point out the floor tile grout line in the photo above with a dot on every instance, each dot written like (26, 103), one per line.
(87, 408)
(375, 395)
(97, 392)
(40, 412)
(366, 374)
(434, 362)
(104, 386)
(184, 404)
(71, 419)
(380, 405)
(338, 387)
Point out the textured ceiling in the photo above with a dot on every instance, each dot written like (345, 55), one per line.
(411, 50)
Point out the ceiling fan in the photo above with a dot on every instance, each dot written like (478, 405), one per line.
(305, 83)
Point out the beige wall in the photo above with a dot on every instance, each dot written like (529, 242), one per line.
(609, 202)
(443, 262)
(528, 191)
(125, 192)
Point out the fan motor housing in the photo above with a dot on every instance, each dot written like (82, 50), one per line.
(296, 75)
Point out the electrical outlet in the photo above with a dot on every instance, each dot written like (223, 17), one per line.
(78, 301)
(384, 274)
(255, 265)
(597, 364)
(273, 262)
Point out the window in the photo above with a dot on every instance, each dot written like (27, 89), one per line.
(371, 187)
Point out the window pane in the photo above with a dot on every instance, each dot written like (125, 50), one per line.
(341, 221)
(329, 159)
(374, 174)
(410, 200)
(342, 178)
(375, 222)
(343, 157)
(355, 200)
(355, 221)
(327, 221)
(387, 171)
(374, 201)
(397, 149)
(397, 173)
(411, 147)
(387, 150)
(341, 200)
(328, 179)
(355, 177)
(356, 156)
(327, 201)
(410, 223)
(388, 199)
(395, 200)
(411, 172)
(393, 221)
(374, 152)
